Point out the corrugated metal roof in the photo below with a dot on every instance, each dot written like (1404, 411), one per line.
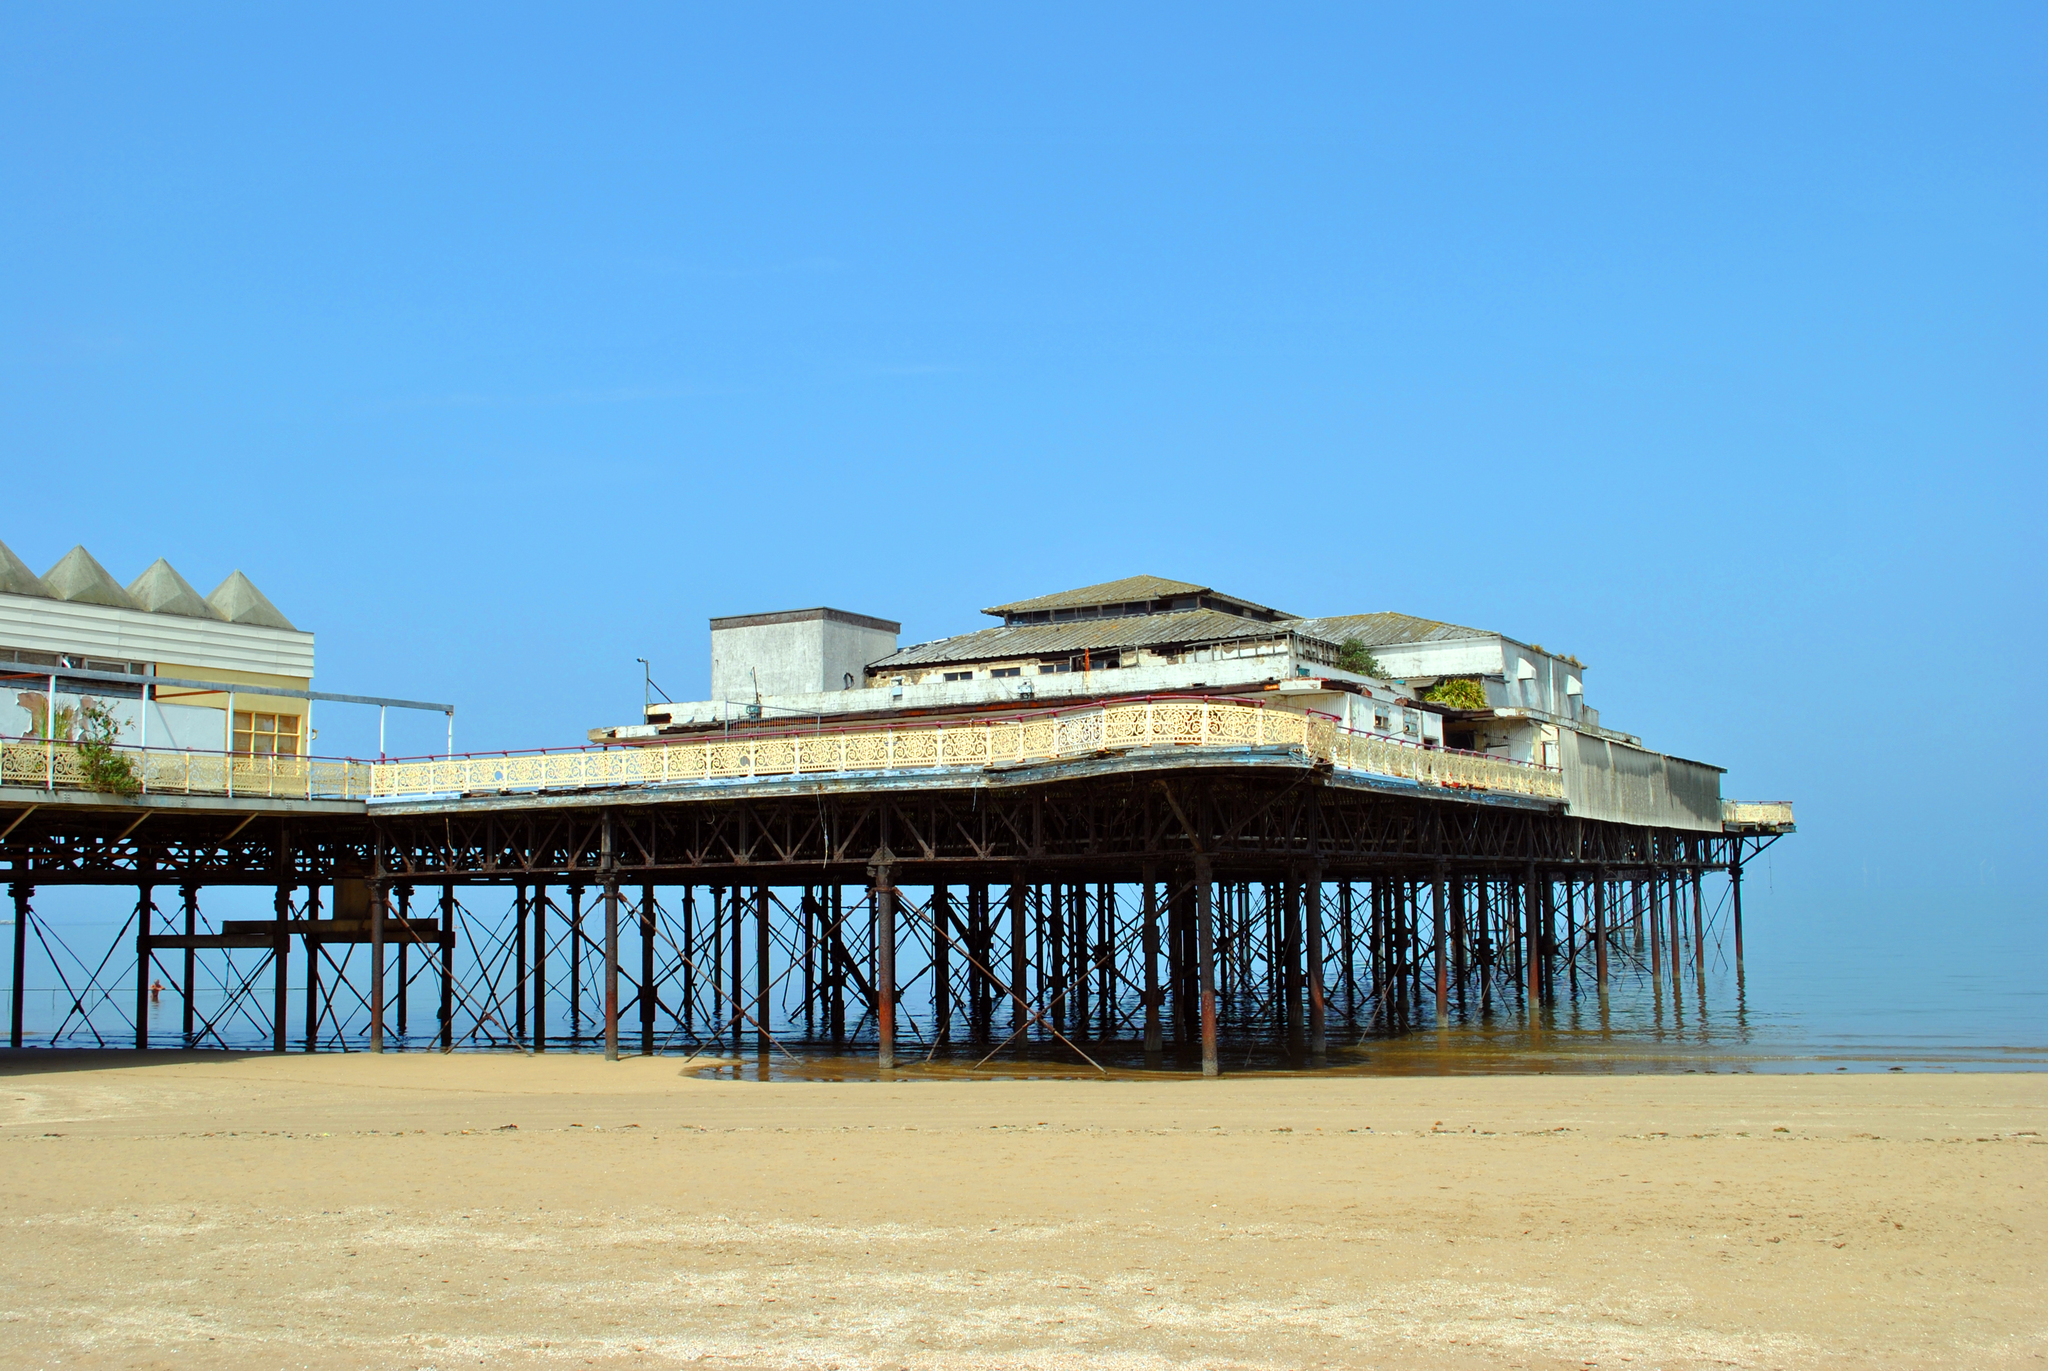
(1384, 629)
(1126, 591)
(1051, 640)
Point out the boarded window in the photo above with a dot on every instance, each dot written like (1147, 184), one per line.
(265, 735)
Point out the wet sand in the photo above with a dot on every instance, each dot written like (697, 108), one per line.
(420, 1210)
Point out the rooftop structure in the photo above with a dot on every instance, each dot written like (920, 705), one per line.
(77, 615)
(1424, 682)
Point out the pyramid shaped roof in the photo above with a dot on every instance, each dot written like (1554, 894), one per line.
(16, 578)
(239, 601)
(80, 579)
(161, 590)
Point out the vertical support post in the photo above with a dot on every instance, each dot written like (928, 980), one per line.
(1312, 917)
(885, 965)
(448, 967)
(1291, 966)
(405, 941)
(1699, 928)
(575, 962)
(281, 906)
(1440, 933)
(647, 996)
(144, 926)
(1019, 956)
(735, 908)
(689, 967)
(1533, 901)
(519, 912)
(190, 895)
(1600, 930)
(21, 894)
(1348, 946)
(1656, 930)
(1205, 956)
(808, 913)
(377, 896)
(1155, 1045)
(540, 967)
(1734, 895)
(942, 966)
(611, 945)
(1486, 944)
(312, 942)
(763, 905)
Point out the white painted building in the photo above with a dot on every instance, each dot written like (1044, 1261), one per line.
(78, 616)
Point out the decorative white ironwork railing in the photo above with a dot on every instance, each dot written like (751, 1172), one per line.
(978, 744)
(962, 744)
(1761, 813)
(57, 765)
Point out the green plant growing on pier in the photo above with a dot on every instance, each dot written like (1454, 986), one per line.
(104, 768)
(1458, 693)
(1354, 656)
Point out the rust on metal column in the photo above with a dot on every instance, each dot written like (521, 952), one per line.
(22, 894)
(1439, 931)
(447, 966)
(144, 906)
(1205, 956)
(378, 894)
(190, 894)
(1020, 963)
(1155, 1043)
(611, 943)
(1312, 919)
(281, 906)
(762, 908)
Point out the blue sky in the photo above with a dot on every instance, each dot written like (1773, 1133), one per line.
(503, 345)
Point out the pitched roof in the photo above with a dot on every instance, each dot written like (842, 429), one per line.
(1129, 590)
(16, 578)
(1384, 629)
(81, 580)
(1072, 636)
(239, 601)
(161, 590)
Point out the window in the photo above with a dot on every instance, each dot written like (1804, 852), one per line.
(1381, 719)
(1002, 671)
(265, 735)
(1048, 668)
(1411, 723)
(959, 675)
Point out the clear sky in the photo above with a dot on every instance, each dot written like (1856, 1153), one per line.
(504, 345)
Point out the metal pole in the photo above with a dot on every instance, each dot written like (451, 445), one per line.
(1205, 954)
(1531, 904)
(448, 967)
(1735, 895)
(404, 954)
(1155, 1045)
(191, 903)
(762, 1040)
(1019, 955)
(647, 996)
(1291, 966)
(1443, 986)
(942, 970)
(540, 967)
(21, 895)
(312, 967)
(1318, 1023)
(611, 940)
(885, 966)
(1699, 927)
(1600, 930)
(377, 896)
(281, 905)
(142, 930)
(519, 962)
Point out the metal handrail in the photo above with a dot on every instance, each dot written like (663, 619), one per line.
(52, 764)
(974, 743)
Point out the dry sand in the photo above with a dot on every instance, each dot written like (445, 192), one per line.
(350, 1211)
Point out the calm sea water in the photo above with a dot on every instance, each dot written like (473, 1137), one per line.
(1914, 981)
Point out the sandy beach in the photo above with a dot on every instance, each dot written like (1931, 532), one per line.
(422, 1210)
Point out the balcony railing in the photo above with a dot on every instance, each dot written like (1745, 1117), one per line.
(1757, 813)
(56, 765)
(962, 745)
(966, 744)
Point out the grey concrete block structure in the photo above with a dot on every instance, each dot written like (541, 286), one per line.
(795, 652)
